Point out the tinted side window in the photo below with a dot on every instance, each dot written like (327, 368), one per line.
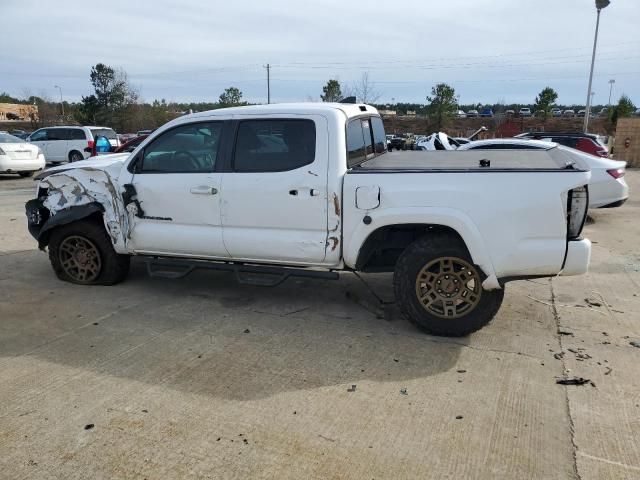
(356, 152)
(76, 134)
(379, 139)
(39, 136)
(189, 148)
(274, 145)
(56, 134)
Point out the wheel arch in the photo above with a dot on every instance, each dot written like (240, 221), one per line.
(69, 215)
(394, 233)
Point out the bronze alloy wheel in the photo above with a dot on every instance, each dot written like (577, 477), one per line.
(448, 287)
(80, 259)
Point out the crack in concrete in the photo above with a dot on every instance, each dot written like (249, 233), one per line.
(572, 432)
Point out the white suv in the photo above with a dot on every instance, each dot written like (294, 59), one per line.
(525, 112)
(70, 144)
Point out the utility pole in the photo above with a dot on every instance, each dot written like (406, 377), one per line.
(61, 102)
(600, 4)
(611, 82)
(268, 67)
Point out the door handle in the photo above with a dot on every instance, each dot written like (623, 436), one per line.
(313, 192)
(204, 190)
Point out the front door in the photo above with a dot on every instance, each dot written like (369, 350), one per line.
(39, 138)
(275, 199)
(178, 188)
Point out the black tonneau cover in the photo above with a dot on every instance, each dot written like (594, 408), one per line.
(552, 159)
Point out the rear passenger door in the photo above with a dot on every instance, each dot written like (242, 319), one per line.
(275, 199)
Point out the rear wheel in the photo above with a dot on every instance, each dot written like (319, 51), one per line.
(25, 174)
(75, 156)
(82, 253)
(439, 289)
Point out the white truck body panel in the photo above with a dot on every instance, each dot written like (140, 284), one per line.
(513, 220)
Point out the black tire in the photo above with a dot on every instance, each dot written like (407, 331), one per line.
(438, 248)
(25, 174)
(75, 156)
(108, 267)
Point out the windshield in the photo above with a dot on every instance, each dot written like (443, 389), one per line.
(104, 132)
(6, 138)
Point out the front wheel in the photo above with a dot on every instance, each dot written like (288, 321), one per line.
(439, 289)
(82, 253)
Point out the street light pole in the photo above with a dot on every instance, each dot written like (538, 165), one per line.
(61, 103)
(600, 4)
(611, 82)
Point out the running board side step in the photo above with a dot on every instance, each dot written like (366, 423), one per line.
(250, 274)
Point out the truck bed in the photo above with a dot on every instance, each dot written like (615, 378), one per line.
(552, 159)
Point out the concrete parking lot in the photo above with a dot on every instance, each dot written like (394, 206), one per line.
(206, 378)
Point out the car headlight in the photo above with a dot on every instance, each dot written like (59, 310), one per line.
(577, 206)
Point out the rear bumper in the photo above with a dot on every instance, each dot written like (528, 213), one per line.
(578, 257)
(615, 204)
(10, 165)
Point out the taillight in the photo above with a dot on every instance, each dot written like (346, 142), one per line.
(602, 153)
(90, 144)
(577, 206)
(616, 172)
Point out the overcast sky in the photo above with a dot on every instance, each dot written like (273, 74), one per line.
(183, 50)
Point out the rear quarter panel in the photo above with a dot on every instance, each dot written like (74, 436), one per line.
(513, 223)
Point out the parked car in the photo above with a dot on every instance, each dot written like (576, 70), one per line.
(581, 113)
(607, 187)
(486, 112)
(569, 113)
(472, 113)
(524, 112)
(585, 142)
(510, 113)
(637, 112)
(332, 200)
(461, 114)
(398, 142)
(436, 141)
(131, 145)
(556, 112)
(18, 156)
(70, 144)
(604, 112)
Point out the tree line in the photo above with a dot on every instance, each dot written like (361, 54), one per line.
(115, 103)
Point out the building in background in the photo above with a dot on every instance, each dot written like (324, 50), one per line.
(18, 112)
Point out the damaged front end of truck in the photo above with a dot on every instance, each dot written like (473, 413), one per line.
(68, 195)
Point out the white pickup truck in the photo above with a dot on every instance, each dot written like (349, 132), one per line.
(310, 190)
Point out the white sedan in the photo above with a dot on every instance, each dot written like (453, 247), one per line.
(18, 156)
(607, 187)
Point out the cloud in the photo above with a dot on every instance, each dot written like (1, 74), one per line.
(192, 50)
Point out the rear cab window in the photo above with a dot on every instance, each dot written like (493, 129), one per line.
(365, 140)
